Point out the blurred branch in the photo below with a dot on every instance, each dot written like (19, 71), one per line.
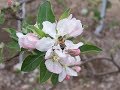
(13, 14)
(20, 3)
(93, 59)
(106, 73)
(102, 15)
(22, 14)
(86, 61)
(9, 59)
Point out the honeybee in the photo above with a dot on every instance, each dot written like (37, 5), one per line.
(61, 42)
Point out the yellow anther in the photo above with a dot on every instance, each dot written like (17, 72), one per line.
(55, 58)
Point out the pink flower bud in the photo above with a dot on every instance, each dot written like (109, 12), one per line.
(67, 77)
(74, 52)
(27, 41)
(9, 2)
(77, 68)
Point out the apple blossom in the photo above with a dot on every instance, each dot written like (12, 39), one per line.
(27, 41)
(70, 26)
(68, 62)
(53, 57)
(66, 27)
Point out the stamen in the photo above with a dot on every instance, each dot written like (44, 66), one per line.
(55, 58)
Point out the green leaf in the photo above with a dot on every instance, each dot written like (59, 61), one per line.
(12, 33)
(25, 29)
(13, 45)
(31, 62)
(87, 48)
(44, 73)
(54, 79)
(45, 13)
(2, 18)
(36, 30)
(65, 14)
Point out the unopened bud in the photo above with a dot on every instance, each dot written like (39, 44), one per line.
(77, 68)
(74, 52)
(67, 77)
(9, 2)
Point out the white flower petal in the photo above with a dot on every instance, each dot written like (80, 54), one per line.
(70, 45)
(71, 72)
(62, 75)
(70, 16)
(78, 45)
(57, 47)
(62, 27)
(49, 28)
(60, 53)
(19, 34)
(44, 44)
(54, 67)
(75, 28)
(48, 53)
(69, 26)
(70, 61)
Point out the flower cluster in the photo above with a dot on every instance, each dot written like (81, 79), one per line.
(61, 54)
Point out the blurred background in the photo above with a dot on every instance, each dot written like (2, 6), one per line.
(107, 38)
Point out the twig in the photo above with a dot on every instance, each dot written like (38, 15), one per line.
(106, 73)
(22, 14)
(20, 2)
(113, 61)
(93, 59)
(9, 59)
(102, 58)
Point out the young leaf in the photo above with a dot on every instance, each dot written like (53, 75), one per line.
(12, 33)
(36, 30)
(45, 13)
(87, 48)
(54, 79)
(25, 29)
(13, 45)
(65, 14)
(31, 62)
(44, 73)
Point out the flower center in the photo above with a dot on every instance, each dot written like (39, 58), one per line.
(55, 58)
